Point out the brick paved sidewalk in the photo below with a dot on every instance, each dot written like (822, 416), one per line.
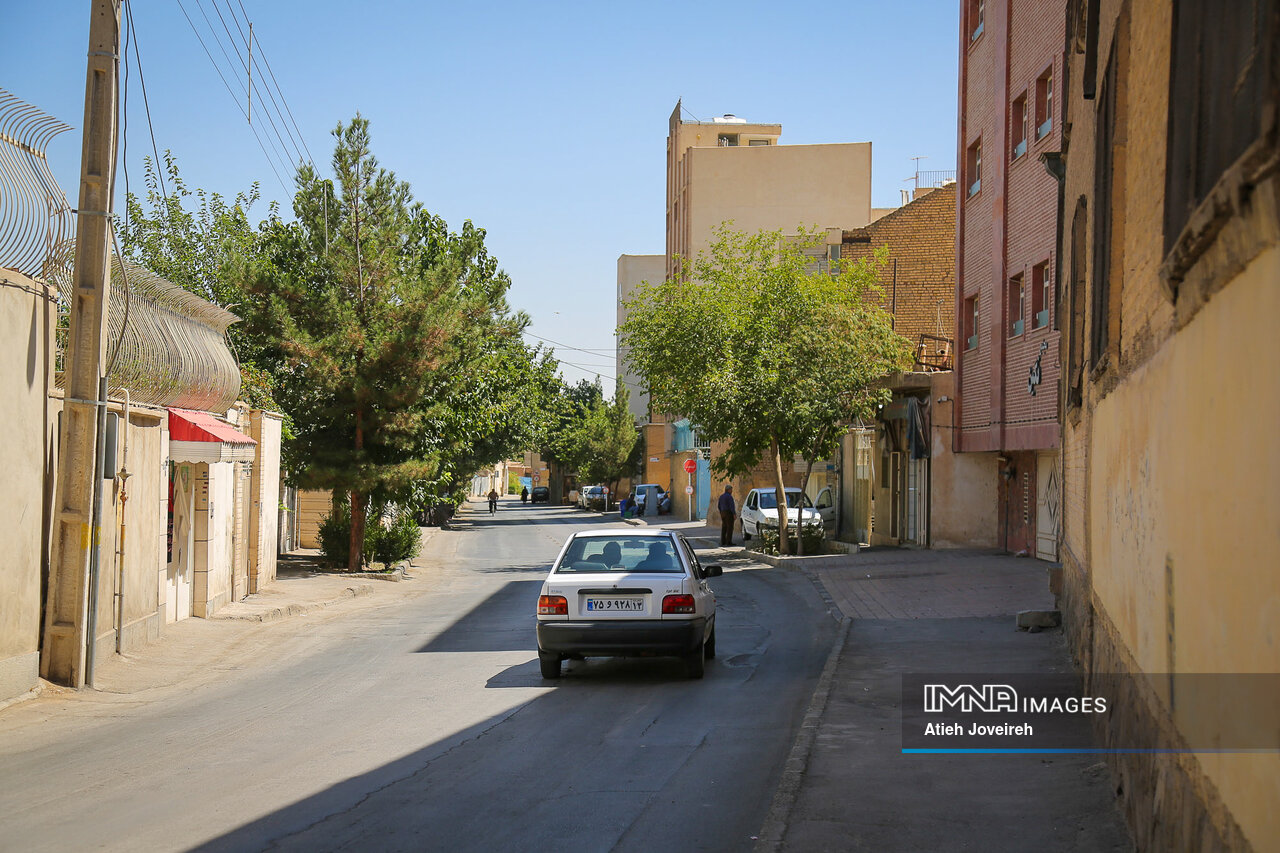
(848, 786)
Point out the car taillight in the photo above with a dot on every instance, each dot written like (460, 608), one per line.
(678, 604)
(552, 605)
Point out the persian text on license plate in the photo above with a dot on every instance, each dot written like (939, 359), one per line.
(624, 604)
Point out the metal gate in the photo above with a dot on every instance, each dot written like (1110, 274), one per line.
(702, 489)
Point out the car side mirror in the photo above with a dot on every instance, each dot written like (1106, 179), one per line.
(712, 571)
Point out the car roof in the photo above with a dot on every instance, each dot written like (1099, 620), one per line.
(652, 532)
(771, 488)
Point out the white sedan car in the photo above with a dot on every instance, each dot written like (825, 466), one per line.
(760, 509)
(627, 593)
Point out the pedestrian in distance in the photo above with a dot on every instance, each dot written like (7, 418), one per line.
(524, 494)
(493, 501)
(728, 510)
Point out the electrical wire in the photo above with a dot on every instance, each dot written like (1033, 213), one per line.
(247, 62)
(279, 149)
(270, 94)
(266, 61)
(599, 351)
(270, 162)
(142, 80)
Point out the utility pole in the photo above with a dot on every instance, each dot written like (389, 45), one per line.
(84, 405)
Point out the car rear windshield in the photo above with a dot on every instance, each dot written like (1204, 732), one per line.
(769, 500)
(619, 554)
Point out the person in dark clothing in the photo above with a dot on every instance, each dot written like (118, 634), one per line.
(524, 494)
(728, 510)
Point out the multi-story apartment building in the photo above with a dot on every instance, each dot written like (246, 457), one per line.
(1007, 342)
(633, 271)
(729, 169)
(1170, 248)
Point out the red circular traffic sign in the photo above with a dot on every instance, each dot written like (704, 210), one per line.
(690, 466)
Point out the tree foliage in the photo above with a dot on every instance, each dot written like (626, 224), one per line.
(196, 249)
(764, 350)
(601, 445)
(373, 318)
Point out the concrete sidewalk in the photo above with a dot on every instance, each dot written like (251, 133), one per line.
(848, 786)
(193, 650)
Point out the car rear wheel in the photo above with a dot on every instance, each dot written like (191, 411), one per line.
(696, 661)
(549, 664)
(709, 648)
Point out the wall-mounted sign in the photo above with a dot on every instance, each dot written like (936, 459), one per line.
(1033, 376)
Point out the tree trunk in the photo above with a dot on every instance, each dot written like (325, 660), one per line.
(355, 552)
(780, 491)
(804, 484)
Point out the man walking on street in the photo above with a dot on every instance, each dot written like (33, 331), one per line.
(728, 509)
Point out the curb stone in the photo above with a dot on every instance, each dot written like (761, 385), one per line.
(784, 798)
(294, 609)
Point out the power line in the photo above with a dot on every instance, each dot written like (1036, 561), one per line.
(599, 351)
(266, 61)
(279, 149)
(249, 63)
(232, 94)
(137, 57)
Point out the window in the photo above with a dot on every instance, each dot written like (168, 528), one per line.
(975, 19)
(1103, 165)
(727, 140)
(1018, 126)
(970, 318)
(1039, 295)
(1044, 103)
(754, 142)
(973, 167)
(1075, 311)
(1221, 91)
(1017, 305)
(833, 259)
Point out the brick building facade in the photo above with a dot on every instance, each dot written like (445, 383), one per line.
(1006, 227)
(1170, 246)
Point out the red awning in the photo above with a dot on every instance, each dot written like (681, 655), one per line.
(186, 425)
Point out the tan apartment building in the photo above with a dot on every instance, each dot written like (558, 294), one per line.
(1170, 256)
(730, 169)
(634, 270)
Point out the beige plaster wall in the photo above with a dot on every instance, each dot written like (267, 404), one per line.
(778, 186)
(215, 517)
(1183, 515)
(265, 428)
(633, 270)
(963, 511)
(26, 324)
(143, 560)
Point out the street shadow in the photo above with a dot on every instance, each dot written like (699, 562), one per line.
(503, 622)
(600, 672)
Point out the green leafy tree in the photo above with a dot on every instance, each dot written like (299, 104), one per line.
(764, 350)
(605, 440)
(368, 311)
(196, 239)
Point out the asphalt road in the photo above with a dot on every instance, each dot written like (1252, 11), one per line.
(420, 722)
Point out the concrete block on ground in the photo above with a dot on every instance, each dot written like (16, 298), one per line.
(1039, 619)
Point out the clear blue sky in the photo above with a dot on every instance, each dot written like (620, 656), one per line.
(543, 123)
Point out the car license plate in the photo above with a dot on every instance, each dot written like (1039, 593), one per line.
(596, 605)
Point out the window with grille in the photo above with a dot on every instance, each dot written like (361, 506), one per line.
(1018, 126)
(1039, 295)
(1044, 103)
(1017, 304)
(973, 167)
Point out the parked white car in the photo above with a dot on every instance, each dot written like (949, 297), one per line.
(760, 509)
(591, 497)
(627, 593)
